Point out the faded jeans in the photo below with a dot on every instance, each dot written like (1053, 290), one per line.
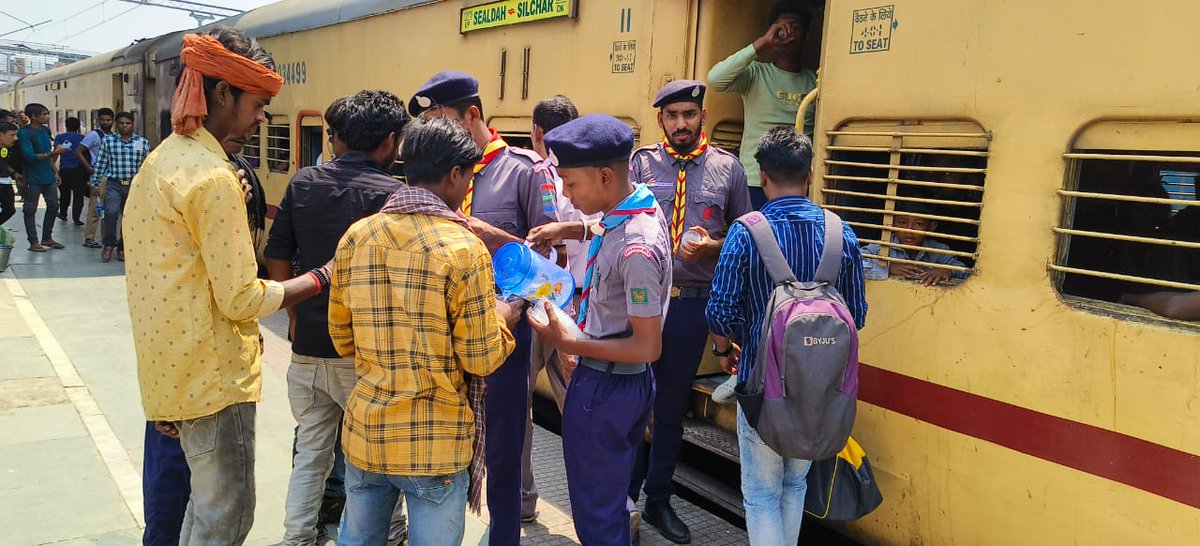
(318, 389)
(437, 507)
(220, 454)
(114, 211)
(773, 490)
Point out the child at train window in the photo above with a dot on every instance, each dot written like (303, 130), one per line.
(911, 218)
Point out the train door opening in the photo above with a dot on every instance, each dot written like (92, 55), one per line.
(118, 92)
(312, 139)
(724, 28)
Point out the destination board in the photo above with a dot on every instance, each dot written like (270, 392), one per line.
(513, 12)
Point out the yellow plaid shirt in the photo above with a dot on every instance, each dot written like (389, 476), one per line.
(413, 301)
(191, 278)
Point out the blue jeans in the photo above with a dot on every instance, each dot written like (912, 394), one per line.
(773, 490)
(437, 507)
(166, 486)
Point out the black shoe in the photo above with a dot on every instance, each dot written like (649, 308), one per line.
(78, 223)
(663, 518)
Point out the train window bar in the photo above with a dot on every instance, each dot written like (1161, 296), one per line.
(279, 144)
(1130, 223)
(253, 149)
(911, 190)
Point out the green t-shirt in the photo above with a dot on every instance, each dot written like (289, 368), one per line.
(771, 97)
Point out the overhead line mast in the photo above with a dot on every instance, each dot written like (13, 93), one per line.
(202, 13)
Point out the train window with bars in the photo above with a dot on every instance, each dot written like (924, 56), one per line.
(913, 192)
(253, 149)
(1130, 219)
(279, 144)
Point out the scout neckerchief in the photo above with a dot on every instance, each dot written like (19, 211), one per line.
(489, 153)
(641, 201)
(681, 186)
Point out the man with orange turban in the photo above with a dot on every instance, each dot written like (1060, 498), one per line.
(194, 296)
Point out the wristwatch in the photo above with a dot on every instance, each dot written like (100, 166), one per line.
(724, 353)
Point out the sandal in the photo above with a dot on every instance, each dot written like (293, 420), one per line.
(37, 248)
(106, 254)
(53, 244)
(91, 243)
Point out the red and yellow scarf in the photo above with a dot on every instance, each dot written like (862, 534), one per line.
(489, 153)
(681, 186)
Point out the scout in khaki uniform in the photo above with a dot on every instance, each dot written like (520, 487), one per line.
(621, 311)
(505, 199)
(702, 190)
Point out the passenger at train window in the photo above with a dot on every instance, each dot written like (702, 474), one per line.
(320, 203)
(913, 229)
(505, 199)
(771, 92)
(413, 302)
(1175, 305)
(191, 277)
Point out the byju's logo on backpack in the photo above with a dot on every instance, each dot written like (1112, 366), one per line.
(801, 394)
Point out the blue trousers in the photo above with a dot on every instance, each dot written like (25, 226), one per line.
(674, 373)
(604, 416)
(166, 486)
(507, 391)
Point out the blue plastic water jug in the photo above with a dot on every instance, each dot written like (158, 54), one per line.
(522, 272)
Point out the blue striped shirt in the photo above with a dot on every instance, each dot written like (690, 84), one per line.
(742, 286)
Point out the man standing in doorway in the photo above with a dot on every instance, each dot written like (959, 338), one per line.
(191, 277)
(771, 92)
(702, 190)
(505, 199)
(40, 176)
(319, 205)
(121, 156)
(87, 154)
(74, 187)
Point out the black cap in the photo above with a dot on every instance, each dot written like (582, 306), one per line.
(592, 140)
(680, 91)
(442, 89)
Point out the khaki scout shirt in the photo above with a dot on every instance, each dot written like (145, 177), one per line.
(632, 278)
(716, 196)
(510, 196)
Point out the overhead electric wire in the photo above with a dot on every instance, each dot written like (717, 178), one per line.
(107, 19)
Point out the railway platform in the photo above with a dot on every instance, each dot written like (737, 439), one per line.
(71, 425)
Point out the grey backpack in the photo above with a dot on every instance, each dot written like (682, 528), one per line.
(801, 394)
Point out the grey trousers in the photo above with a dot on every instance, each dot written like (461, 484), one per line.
(220, 453)
(31, 193)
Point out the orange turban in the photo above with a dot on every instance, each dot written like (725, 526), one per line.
(204, 56)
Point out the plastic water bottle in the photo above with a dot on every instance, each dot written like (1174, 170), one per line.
(522, 272)
(537, 313)
(100, 210)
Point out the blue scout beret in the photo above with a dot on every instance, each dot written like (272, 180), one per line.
(442, 89)
(592, 140)
(680, 91)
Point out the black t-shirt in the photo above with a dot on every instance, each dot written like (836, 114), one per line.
(8, 158)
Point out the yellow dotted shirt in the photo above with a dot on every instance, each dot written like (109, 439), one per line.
(194, 297)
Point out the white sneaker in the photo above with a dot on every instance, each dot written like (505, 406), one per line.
(725, 393)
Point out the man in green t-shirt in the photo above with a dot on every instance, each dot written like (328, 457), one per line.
(771, 92)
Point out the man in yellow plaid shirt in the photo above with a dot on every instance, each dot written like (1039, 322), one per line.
(413, 301)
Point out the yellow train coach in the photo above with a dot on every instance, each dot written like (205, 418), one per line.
(1053, 147)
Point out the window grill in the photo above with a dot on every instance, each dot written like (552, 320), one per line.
(253, 150)
(279, 144)
(1130, 220)
(912, 191)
